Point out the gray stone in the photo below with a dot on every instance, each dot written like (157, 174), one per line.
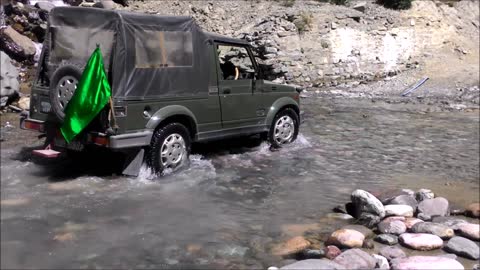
(311, 264)
(365, 202)
(313, 254)
(387, 196)
(421, 241)
(45, 5)
(450, 222)
(382, 262)
(368, 220)
(398, 210)
(424, 217)
(406, 200)
(346, 238)
(387, 239)
(396, 227)
(437, 229)
(16, 45)
(463, 247)
(356, 259)
(9, 76)
(360, 6)
(392, 253)
(423, 194)
(425, 262)
(433, 207)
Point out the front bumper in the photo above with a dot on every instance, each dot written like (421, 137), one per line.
(122, 141)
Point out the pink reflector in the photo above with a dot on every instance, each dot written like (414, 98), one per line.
(48, 153)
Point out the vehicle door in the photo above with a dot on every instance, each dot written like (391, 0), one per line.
(236, 85)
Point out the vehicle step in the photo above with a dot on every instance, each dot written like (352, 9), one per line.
(47, 153)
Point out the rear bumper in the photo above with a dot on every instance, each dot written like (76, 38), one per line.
(122, 141)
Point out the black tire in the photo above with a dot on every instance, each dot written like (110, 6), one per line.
(161, 134)
(57, 104)
(296, 120)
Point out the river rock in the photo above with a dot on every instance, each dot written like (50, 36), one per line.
(356, 259)
(405, 200)
(313, 254)
(368, 244)
(463, 247)
(473, 210)
(9, 74)
(469, 230)
(433, 207)
(331, 252)
(423, 194)
(311, 264)
(365, 202)
(346, 238)
(425, 262)
(387, 239)
(398, 210)
(16, 45)
(450, 222)
(339, 216)
(291, 246)
(392, 253)
(437, 229)
(381, 263)
(424, 217)
(411, 221)
(421, 241)
(392, 227)
(387, 196)
(360, 228)
(368, 220)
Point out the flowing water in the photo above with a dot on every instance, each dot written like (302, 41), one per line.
(229, 205)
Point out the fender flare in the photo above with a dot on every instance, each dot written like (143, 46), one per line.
(169, 111)
(277, 106)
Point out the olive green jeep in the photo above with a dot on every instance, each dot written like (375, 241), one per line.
(172, 84)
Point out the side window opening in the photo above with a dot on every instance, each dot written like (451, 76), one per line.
(235, 63)
(160, 49)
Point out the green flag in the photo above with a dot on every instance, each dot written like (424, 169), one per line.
(92, 94)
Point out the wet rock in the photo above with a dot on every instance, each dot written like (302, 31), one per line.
(387, 196)
(313, 264)
(355, 259)
(346, 238)
(368, 244)
(14, 202)
(433, 207)
(405, 200)
(421, 241)
(368, 220)
(398, 210)
(392, 253)
(298, 229)
(392, 227)
(17, 46)
(437, 229)
(339, 216)
(360, 228)
(387, 239)
(381, 263)
(410, 222)
(469, 230)
(291, 246)
(425, 262)
(360, 6)
(331, 252)
(463, 247)
(392, 218)
(424, 217)
(365, 202)
(313, 254)
(450, 222)
(424, 194)
(473, 210)
(9, 76)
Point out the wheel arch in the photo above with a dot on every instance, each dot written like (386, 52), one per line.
(279, 105)
(171, 114)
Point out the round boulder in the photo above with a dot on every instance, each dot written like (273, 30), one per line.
(423, 194)
(433, 207)
(437, 229)
(426, 262)
(405, 200)
(291, 246)
(356, 259)
(387, 239)
(463, 247)
(346, 238)
(365, 202)
(313, 264)
(410, 222)
(469, 230)
(421, 241)
(398, 210)
(473, 210)
(392, 227)
(392, 253)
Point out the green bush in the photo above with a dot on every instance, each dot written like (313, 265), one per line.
(304, 23)
(396, 4)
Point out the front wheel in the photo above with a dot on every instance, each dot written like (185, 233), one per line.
(169, 148)
(284, 128)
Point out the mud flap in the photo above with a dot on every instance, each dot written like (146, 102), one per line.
(134, 163)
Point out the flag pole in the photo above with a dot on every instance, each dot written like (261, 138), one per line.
(112, 111)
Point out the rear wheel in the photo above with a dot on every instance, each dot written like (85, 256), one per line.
(169, 148)
(284, 128)
(62, 86)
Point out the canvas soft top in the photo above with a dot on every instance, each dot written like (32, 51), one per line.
(147, 55)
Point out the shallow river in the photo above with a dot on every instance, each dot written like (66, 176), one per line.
(229, 206)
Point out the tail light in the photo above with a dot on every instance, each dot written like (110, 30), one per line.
(33, 125)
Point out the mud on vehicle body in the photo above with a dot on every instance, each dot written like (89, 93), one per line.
(172, 84)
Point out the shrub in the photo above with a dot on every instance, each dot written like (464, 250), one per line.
(396, 4)
(304, 23)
